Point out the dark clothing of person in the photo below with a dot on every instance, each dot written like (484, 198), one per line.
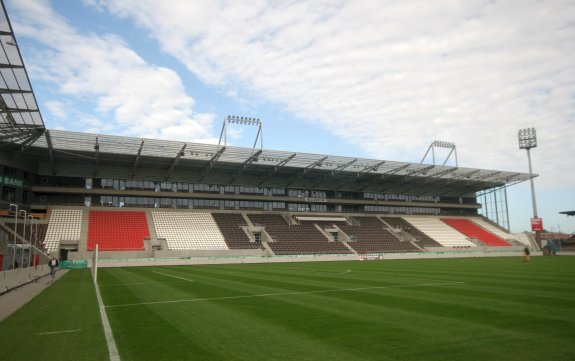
(53, 263)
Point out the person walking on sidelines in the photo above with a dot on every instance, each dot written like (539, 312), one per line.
(526, 258)
(53, 263)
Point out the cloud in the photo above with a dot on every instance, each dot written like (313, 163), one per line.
(56, 108)
(392, 76)
(101, 71)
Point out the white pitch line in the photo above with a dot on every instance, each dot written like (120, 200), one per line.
(57, 332)
(112, 349)
(167, 275)
(344, 272)
(283, 294)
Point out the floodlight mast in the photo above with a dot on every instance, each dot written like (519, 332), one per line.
(441, 144)
(234, 119)
(527, 140)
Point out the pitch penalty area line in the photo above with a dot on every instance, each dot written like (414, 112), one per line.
(58, 332)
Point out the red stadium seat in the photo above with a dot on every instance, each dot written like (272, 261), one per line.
(117, 230)
(472, 230)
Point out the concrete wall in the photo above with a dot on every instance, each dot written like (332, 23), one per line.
(286, 259)
(13, 278)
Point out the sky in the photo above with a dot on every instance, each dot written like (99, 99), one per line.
(363, 78)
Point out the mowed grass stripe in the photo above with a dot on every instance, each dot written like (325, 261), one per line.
(491, 316)
(219, 283)
(297, 293)
(43, 328)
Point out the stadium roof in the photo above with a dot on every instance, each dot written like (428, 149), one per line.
(568, 213)
(74, 153)
(20, 119)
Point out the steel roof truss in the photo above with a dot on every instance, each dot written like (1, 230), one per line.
(176, 160)
(50, 151)
(137, 160)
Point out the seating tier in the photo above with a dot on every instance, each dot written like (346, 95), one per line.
(439, 231)
(302, 238)
(472, 230)
(370, 236)
(417, 234)
(188, 231)
(64, 225)
(117, 230)
(230, 225)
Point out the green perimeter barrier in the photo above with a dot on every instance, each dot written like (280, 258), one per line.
(74, 264)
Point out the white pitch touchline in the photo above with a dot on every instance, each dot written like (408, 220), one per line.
(56, 332)
(112, 349)
(283, 294)
(167, 275)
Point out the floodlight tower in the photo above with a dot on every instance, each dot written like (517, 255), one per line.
(527, 140)
(442, 144)
(233, 119)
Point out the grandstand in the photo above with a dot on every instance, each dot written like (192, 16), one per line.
(151, 198)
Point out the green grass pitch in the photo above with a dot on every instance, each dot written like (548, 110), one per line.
(440, 309)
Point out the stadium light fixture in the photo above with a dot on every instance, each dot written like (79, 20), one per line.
(235, 119)
(527, 140)
(441, 144)
(15, 206)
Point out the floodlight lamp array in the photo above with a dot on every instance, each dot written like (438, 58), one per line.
(234, 119)
(527, 138)
(442, 144)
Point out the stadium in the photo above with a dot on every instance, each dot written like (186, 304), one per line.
(181, 250)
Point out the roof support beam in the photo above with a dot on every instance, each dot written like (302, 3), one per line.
(420, 171)
(137, 160)
(312, 166)
(343, 166)
(50, 151)
(176, 160)
(14, 91)
(245, 164)
(97, 154)
(335, 171)
(444, 172)
(16, 110)
(304, 171)
(28, 142)
(487, 176)
(365, 171)
(211, 162)
(277, 167)
(10, 66)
